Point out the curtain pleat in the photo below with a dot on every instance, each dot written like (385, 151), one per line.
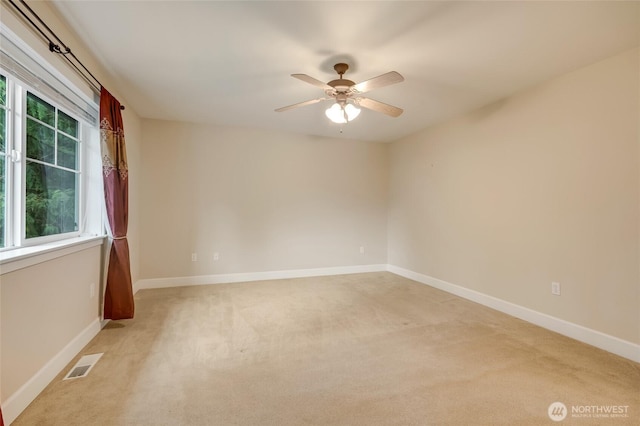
(118, 298)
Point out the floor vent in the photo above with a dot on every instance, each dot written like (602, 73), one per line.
(83, 366)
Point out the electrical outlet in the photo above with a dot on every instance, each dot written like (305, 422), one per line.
(361, 249)
(216, 256)
(194, 257)
(555, 288)
(92, 290)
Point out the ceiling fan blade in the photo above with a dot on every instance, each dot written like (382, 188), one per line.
(311, 80)
(391, 77)
(299, 104)
(379, 107)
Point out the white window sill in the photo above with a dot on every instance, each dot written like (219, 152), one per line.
(19, 258)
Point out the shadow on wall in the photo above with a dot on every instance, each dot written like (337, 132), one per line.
(487, 111)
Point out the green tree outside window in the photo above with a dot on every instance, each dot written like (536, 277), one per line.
(51, 170)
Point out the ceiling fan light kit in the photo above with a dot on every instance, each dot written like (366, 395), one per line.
(342, 114)
(347, 95)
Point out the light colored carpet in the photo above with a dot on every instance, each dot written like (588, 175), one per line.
(363, 349)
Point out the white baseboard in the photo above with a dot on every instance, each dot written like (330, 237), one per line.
(586, 335)
(254, 276)
(17, 402)
(592, 337)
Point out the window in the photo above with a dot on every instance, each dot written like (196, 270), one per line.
(52, 170)
(41, 168)
(50, 164)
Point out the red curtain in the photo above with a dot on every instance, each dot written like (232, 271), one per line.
(1, 421)
(118, 298)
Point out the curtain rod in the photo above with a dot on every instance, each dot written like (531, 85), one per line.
(65, 51)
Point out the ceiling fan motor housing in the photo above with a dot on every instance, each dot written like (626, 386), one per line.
(341, 84)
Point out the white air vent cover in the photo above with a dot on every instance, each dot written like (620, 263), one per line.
(83, 366)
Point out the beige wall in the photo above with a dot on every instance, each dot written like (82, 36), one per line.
(539, 187)
(37, 322)
(264, 201)
(133, 137)
(45, 306)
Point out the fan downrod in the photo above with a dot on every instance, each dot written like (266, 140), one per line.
(341, 84)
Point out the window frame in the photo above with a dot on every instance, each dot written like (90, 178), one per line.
(80, 185)
(6, 158)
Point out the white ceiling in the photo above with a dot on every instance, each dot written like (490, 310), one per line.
(229, 63)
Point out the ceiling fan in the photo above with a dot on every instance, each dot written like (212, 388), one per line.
(347, 95)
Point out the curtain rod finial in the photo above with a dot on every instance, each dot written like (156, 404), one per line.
(122, 107)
